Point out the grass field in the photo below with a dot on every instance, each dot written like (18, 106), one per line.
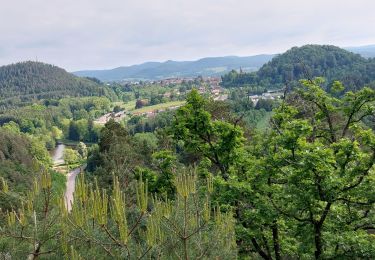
(127, 106)
(130, 106)
(158, 106)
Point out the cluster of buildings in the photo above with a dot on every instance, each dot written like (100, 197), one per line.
(208, 85)
(174, 81)
(269, 95)
(115, 116)
(211, 86)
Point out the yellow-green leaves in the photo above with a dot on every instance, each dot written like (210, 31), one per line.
(46, 182)
(74, 255)
(4, 184)
(185, 184)
(118, 211)
(210, 183)
(142, 195)
(100, 206)
(20, 217)
(207, 210)
(337, 87)
(81, 190)
(11, 218)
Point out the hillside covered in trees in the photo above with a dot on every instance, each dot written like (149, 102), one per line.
(200, 181)
(25, 82)
(308, 61)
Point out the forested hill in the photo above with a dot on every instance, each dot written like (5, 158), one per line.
(327, 61)
(25, 82)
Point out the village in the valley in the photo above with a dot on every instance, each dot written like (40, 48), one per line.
(210, 87)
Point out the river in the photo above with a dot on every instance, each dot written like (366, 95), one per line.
(57, 154)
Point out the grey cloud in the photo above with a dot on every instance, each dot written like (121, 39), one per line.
(83, 34)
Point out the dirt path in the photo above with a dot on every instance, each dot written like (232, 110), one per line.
(70, 186)
(57, 158)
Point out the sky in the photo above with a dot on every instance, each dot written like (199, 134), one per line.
(100, 34)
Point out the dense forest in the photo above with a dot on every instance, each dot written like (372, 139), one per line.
(26, 82)
(201, 181)
(308, 61)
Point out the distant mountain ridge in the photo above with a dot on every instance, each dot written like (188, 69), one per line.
(213, 66)
(367, 51)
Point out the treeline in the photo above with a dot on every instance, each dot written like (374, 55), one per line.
(26, 82)
(70, 118)
(308, 61)
(150, 93)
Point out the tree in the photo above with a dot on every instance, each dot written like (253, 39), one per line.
(140, 103)
(311, 183)
(185, 227)
(33, 230)
(116, 154)
(73, 131)
(70, 156)
(219, 141)
(165, 162)
(117, 109)
(82, 150)
(102, 225)
(56, 132)
(266, 104)
(12, 126)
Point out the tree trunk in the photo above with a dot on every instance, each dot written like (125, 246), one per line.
(260, 251)
(318, 240)
(276, 242)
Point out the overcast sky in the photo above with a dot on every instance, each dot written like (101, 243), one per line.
(93, 34)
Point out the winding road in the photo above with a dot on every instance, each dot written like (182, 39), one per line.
(57, 157)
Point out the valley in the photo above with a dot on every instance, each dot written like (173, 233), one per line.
(269, 163)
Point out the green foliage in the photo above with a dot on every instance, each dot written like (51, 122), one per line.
(71, 156)
(266, 104)
(236, 79)
(22, 83)
(139, 124)
(82, 150)
(19, 154)
(165, 161)
(32, 229)
(217, 140)
(184, 227)
(308, 61)
(105, 225)
(59, 119)
(188, 184)
(310, 185)
(117, 153)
